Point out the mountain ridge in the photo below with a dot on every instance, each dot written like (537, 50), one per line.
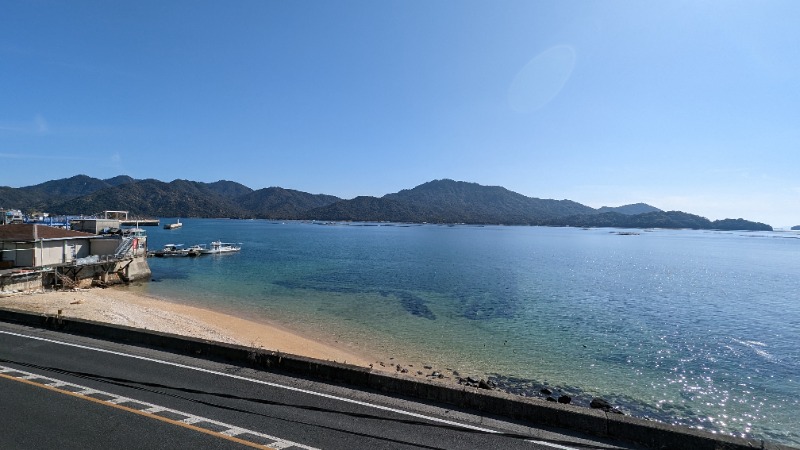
(436, 201)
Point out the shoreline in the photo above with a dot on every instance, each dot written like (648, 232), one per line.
(119, 305)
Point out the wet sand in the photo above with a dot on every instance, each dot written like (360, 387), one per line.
(120, 306)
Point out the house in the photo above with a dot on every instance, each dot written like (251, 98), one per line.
(69, 257)
(33, 245)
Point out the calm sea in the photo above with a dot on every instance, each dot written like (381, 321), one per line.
(700, 328)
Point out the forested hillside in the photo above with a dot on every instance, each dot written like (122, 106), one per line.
(438, 201)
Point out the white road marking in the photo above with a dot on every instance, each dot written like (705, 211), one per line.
(191, 419)
(87, 391)
(280, 386)
(550, 444)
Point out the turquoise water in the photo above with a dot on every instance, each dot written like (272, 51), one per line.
(692, 327)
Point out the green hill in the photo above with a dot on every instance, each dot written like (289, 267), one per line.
(630, 210)
(279, 203)
(438, 201)
(460, 202)
(153, 198)
(367, 209)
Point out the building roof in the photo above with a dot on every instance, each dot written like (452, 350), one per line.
(27, 232)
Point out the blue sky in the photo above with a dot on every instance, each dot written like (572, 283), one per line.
(687, 105)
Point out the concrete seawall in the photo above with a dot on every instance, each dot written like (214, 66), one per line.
(534, 411)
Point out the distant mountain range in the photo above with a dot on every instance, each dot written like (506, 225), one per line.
(438, 201)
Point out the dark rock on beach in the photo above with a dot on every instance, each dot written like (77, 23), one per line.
(616, 403)
(599, 403)
(475, 382)
(565, 399)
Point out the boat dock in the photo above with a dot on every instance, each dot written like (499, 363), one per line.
(123, 218)
(141, 222)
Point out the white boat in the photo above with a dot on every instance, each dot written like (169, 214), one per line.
(195, 250)
(172, 226)
(217, 247)
(171, 250)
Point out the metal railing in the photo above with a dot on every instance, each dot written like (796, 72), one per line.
(124, 247)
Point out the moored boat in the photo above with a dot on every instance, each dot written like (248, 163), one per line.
(172, 226)
(218, 247)
(195, 250)
(170, 250)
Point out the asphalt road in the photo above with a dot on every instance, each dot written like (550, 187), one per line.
(70, 392)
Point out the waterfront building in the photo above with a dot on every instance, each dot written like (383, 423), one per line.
(44, 257)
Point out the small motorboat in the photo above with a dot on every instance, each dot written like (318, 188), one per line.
(172, 226)
(218, 247)
(171, 250)
(195, 250)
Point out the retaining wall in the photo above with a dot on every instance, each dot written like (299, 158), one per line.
(124, 271)
(20, 282)
(534, 411)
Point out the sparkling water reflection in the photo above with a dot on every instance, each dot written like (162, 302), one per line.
(690, 327)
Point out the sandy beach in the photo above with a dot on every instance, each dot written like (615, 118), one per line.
(120, 306)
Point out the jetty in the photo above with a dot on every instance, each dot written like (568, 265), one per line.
(123, 218)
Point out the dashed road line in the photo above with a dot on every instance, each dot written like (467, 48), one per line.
(280, 386)
(172, 416)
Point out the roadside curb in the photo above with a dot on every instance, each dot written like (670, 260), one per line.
(535, 411)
